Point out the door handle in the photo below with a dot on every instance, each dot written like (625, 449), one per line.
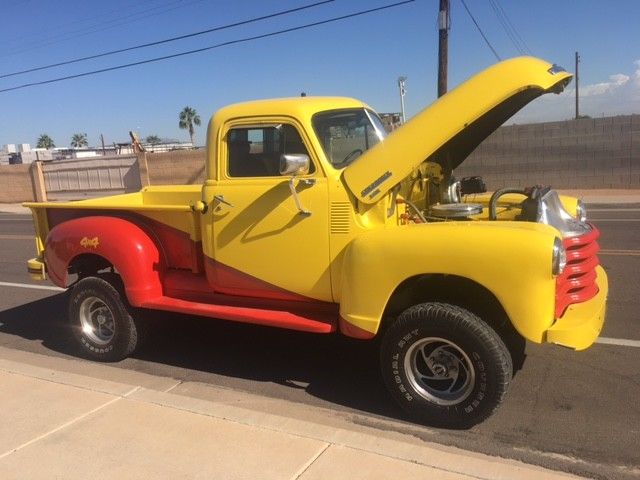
(220, 199)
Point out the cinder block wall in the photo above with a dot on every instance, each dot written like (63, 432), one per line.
(178, 167)
(587, 153)
(15, 184)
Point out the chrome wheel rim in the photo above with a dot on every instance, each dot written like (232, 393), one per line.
(97, 321)
(439, 370)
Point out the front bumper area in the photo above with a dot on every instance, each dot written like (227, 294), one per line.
(581, 323)
(37, 269)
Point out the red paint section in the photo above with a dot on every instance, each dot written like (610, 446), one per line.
(352, 331)
(176, 246)
(125, 245)
(228, 280)
(578, 281)
(258, 316)
(199, 299)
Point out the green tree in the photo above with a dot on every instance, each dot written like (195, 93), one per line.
(188, 118)
(45, 141)
(153, 139)
(79, 140)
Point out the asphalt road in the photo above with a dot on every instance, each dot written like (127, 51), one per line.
(572, 411)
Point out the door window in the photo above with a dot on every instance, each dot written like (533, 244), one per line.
(256, 151)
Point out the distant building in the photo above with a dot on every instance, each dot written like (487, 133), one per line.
(23, 153)
(10, 155)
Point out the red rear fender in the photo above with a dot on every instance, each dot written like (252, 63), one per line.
(123, 244)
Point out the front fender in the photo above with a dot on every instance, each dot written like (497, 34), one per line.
(122, 243)
(510, 259)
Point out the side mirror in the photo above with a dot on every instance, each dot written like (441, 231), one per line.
(294, 164)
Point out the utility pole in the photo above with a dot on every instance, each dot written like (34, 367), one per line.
(102, 140)
(443, 46)
(401, 81)
(577, 86)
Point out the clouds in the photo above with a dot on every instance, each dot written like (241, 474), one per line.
(615, 81)
(619, 95)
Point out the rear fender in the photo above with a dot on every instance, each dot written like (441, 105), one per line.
(122, 243)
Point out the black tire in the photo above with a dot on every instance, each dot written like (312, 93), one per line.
(101, 321)
(445, 366)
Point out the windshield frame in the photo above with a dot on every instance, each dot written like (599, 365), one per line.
(374, 122)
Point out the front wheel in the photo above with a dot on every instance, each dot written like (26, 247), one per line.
(101, 320)
(444, 365)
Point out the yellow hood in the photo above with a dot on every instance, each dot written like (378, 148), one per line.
(448, 130)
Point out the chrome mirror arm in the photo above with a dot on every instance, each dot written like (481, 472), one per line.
(296, 199)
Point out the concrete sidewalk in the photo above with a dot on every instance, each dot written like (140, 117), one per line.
(68, 418)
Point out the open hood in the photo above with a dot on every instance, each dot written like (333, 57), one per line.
(448, 130)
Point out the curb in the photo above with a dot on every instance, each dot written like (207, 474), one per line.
(313, 423)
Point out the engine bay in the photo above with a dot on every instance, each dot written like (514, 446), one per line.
(431, 195)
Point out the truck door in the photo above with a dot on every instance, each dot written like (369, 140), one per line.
(263, 246)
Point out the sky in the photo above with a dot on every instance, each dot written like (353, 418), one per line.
(359, 57)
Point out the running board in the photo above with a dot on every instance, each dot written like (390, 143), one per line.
(313, 321)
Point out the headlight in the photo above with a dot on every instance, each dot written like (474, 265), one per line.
(559, 260)
(581, 211)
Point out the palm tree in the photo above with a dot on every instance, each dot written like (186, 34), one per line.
(188, 118)
(79, 140)
(153, 139)
(45, 141)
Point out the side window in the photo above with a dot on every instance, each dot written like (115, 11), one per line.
(255, 151)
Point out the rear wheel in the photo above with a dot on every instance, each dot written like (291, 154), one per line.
(101, 320)
(445, 366)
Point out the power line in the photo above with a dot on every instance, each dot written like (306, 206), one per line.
(508, 27)
(513, 28)
(106, 25)
(167, 40)
(479, 29)
(502, 22)
(60, 27)
(211, 47)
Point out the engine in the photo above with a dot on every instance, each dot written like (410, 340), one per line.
(535, 204)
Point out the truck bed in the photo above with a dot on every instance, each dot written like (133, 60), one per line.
(164, 209)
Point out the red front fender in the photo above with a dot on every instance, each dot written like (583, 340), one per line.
(123, 244)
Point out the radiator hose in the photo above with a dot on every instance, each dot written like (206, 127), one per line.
(497, 194)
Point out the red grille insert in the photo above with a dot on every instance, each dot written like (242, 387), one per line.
(578, 281)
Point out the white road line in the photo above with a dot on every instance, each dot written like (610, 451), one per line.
(34, 287)
(17, 237)
(601, 220)
(614, 210)
(619, 341)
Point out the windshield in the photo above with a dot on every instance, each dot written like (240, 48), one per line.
(346, 134)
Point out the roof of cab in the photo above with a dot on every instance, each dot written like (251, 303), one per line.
(297, 107)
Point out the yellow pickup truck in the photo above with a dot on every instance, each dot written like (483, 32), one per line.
(312, 218)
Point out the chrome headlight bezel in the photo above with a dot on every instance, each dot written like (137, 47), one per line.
(559, 257)
(581, 211)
